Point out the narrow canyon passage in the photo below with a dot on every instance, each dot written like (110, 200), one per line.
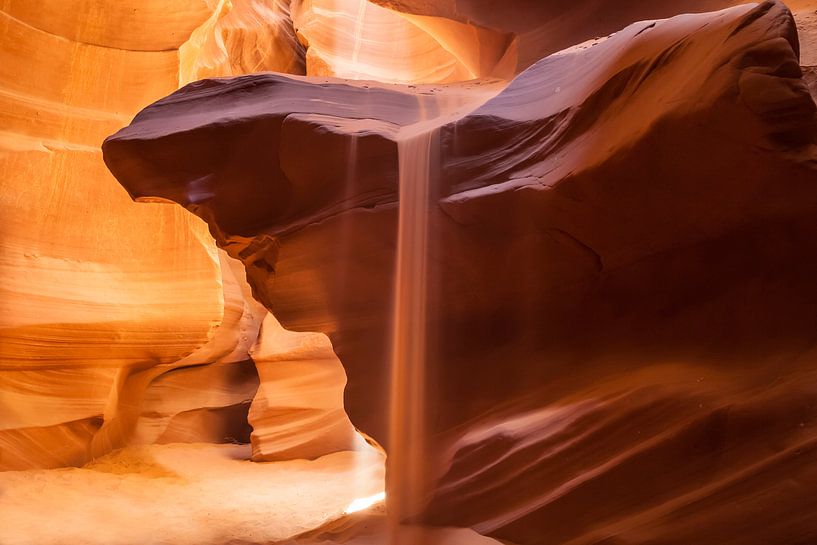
(399, 272)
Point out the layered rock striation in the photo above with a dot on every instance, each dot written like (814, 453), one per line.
(92, 282)
(120, 323)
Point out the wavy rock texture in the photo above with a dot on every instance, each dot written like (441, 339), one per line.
(210, 389)
(242, 37)
(119, 323)
(298, 410)
(357, 39)
(542, 28)
(622, 258)
(93, 283)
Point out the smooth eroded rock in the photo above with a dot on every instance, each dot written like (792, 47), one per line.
(619, 271)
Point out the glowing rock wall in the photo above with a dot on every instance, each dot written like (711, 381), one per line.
(120, 323)
(357, 39)
(242, 37)
(92, 282)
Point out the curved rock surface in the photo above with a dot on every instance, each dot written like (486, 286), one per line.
(120, 323)
(542, 28)
(358, 39)
(93, 283)
(621, 256)
(241, 37)
(298, 409)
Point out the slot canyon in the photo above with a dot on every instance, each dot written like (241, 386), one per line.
(408, 272)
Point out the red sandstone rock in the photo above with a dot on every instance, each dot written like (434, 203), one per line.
(621, 296)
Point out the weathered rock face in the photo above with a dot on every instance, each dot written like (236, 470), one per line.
(120, 323)
(92, 283)
(620, 276)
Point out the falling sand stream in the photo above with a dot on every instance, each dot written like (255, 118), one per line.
(416, 153)
(409, 335)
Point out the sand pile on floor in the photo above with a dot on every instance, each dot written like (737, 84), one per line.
(180, 494)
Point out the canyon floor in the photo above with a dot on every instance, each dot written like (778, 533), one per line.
(182, 494)
(205, 494)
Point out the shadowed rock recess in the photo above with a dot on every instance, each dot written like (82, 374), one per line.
(621, 262)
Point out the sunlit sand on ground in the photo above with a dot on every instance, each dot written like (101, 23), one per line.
(183, 494)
